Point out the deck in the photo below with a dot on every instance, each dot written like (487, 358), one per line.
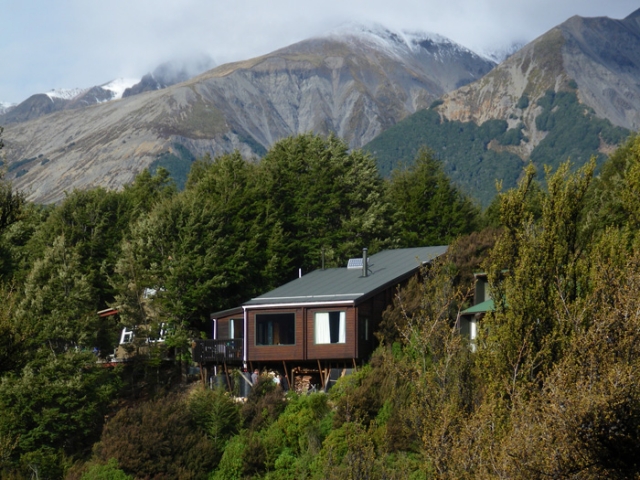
(218, 351)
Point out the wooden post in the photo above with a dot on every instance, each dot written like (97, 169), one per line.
(286, 374)
(321, 374)
(226, 374)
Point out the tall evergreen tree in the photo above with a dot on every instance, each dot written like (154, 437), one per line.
(319, 197)
(196, 252)
(427, 208)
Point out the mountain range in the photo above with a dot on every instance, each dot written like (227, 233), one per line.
(379, 89)
(574, 93)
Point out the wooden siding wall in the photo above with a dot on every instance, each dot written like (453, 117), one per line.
(371, 310)
(356, 346)
(223, 325)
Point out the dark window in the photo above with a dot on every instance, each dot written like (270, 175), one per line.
(276, 329)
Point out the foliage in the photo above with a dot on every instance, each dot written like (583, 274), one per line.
(59, 305)
(613, 200)
(468, 255)
(195, 252)
(463, 149)
(216, 414)
(550, 389)
(319, 196)
(471, 159)
(264, 404)
(427, 209)
(574, 131)
(544, 265)
(232, 464)
(52, 408)
(157, 439)
(12, 207)
(107, 471)
(176, 162)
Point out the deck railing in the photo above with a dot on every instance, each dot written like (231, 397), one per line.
(218, 351)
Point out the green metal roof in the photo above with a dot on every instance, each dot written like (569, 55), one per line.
(348, 285)
(486, 306)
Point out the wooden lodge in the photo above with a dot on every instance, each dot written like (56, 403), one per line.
(321, 321)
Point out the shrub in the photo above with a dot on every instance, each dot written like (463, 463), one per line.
(108, 471)
(264, 404)
(157, 439)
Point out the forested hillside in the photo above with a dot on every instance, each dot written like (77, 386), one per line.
(550, 391)
(474, 156)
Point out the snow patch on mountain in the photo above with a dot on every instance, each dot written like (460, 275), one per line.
(119, 85)
(6, 106)
(66, 93)
(501, 53)
(402, 42)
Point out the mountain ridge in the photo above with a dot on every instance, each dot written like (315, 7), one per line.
(571, 93)
(323, 85)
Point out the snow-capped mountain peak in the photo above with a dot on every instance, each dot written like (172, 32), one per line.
(65, 93)
(500, 54)
(119, 85)
(5, 106)
(401, 42)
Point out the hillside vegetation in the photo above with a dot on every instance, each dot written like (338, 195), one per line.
(550, 391)
(477, 156)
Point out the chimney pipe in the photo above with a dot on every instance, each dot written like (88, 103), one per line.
(365, 267)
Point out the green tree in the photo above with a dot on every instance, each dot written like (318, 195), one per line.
(614, 198)
(319, 197)
(11, 207)
(53, 409)
(534, 269)
(427, 208)
(57, 311)
(198, 251)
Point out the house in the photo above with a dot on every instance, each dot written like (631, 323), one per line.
(318, 322)
(127, 347)
(482, 303)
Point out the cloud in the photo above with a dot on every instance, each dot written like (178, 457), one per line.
(80, 44)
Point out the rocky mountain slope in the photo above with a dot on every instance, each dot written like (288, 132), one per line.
(168, 73)
(355, 82)
(601, 55)
(571, 93)
(64, 99)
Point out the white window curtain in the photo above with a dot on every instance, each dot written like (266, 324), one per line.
(330, 327)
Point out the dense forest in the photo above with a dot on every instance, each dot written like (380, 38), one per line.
(550, 390)
(474, 156)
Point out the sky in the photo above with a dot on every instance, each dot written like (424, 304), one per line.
(47, 44)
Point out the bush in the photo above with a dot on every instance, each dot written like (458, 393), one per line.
(157, 439)
(108, 471)
(264, 404)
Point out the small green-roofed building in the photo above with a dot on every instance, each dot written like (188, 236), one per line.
(483, 303)
(482, 307)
